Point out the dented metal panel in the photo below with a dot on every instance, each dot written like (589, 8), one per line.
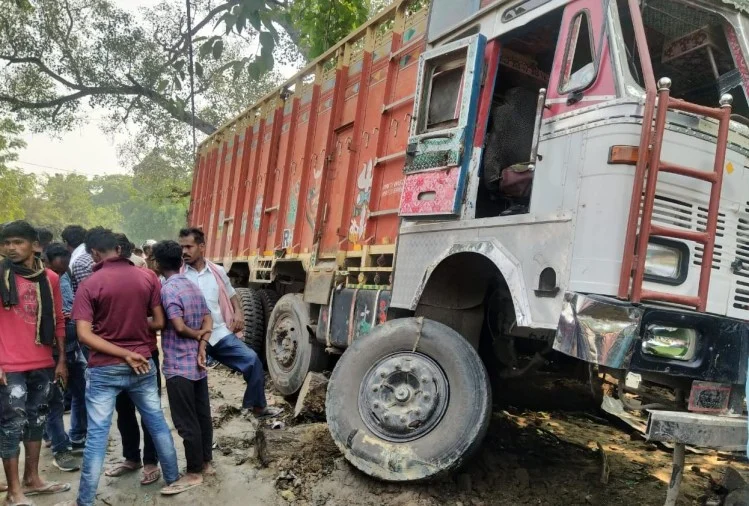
(710, 431)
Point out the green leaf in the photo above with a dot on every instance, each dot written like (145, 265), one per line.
(179, 64)
(162, 85)
(255, 21)
(199, 70)
(230, 22)
(267, 40)
(205, 49)
(177, 84)
(241, 23)
(218, 48)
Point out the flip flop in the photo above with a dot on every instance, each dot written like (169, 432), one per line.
(121, 469)
(175, 488)
(3, 487)
(150, 477)
(49, 489)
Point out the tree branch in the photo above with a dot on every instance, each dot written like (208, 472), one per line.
(36, 61)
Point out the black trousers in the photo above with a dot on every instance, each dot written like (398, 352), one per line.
(127, 423)
(191, 414)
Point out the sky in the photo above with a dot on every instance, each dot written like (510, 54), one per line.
(85, 150)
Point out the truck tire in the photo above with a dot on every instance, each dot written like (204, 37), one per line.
(409, 401)
(290, 351)
(254, 322)
(269, 299)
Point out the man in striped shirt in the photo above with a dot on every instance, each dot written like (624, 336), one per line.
(184, 342)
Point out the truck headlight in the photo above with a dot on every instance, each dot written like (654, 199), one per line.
(666, 261)
(677, 343)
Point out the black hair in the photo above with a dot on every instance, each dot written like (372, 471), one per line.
(45, 236)
(168, 254)
(195, 232)
(100, 239)
(21, 229)
(74, 235)
(126, 247)
(138, 251)
(56, 250)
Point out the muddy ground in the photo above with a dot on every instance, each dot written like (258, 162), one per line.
(542, 449)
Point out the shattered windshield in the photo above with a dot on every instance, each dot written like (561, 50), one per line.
(697, 49)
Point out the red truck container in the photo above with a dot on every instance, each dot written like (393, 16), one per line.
(315, 169)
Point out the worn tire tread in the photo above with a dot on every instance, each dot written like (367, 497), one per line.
(254, 319)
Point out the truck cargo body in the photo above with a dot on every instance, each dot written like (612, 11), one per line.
(316, 169)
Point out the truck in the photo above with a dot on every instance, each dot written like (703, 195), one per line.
(457, 191)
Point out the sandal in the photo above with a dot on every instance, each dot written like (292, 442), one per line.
(178, 488)
(48, 489)
(268, 412)
(151, 477)
(122, 468)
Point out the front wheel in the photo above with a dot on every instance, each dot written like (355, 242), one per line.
(409, 401)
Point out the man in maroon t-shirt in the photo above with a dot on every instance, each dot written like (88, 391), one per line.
(111, 311)
(31, 323)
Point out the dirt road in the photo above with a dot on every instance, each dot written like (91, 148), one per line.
(531, 456)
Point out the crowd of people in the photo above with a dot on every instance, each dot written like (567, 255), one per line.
(79, 325)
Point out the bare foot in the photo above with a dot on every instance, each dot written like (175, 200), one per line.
(151, 474)
(18, 498)
(208, 469)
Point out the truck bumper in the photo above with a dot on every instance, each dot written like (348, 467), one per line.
(609, 332)
(696, 429)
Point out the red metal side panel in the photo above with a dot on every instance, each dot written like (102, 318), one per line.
(303, 223)
(227, 189)
(292, 219)
(238, 223)
(294, 146)
(264, 247)
(312, 205)
(261, 173)
(217, 214)
(388, 176)
(230, 196)
(280, 177)
(248, 207)
(216, 184)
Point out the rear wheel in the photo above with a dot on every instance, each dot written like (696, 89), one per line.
(290, 351)
(254, 321)
(269, 299)
(409, 401)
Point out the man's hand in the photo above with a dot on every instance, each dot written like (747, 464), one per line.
(61, 371)
(138, 362)
(237, 323)
(202, 355)
(204, 333)
(3, 378)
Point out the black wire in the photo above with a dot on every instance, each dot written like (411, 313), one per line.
(192, 78)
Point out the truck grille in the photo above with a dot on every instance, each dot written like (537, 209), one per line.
(731, 256)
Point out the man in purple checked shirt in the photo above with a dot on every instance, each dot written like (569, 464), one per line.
(184, 342)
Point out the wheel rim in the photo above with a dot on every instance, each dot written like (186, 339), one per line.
(403, 396)
(285, 342)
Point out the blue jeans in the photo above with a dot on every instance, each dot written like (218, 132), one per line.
(103, 384)
(77, 387)
(236, 355)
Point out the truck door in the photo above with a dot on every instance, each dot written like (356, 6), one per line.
(439, 148)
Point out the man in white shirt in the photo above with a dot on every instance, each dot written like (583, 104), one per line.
(226, 311)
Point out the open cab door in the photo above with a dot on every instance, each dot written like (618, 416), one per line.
(439, 148)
